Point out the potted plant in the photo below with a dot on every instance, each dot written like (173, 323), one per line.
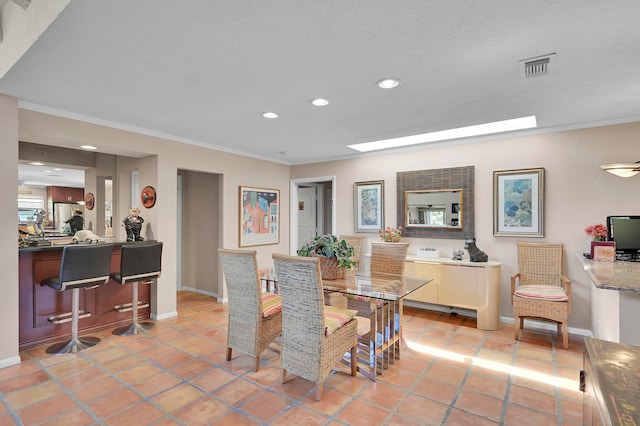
(335, 255)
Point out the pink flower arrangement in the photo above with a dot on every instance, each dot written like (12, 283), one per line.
(391, 235)
(597, 232)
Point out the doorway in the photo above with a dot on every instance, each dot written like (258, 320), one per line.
(312, 209)
(199, 196)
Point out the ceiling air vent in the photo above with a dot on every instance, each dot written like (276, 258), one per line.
(538, 66)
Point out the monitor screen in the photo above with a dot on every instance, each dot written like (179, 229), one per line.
(625, 231)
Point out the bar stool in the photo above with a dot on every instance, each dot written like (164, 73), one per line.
(139, 263)
(81, 267)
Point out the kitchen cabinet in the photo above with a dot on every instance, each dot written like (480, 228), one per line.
(64, 194)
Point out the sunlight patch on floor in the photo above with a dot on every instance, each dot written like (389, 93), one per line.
(558, 382)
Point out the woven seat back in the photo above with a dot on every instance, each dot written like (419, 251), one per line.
(356, 242)
(300, 287)
(540, 263)
(388, 258)
(243, 283)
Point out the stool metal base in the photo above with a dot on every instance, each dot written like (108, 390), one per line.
(72, 346)
(135, 328)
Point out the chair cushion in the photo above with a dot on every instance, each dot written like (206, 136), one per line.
(334, 318)
(546, 292)
(271, 304)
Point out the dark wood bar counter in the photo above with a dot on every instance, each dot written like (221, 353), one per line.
(37, 303)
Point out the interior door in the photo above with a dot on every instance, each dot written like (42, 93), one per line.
(307, 215)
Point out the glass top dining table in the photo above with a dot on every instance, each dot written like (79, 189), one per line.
(390, 287)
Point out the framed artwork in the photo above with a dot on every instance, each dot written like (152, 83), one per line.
(259, 216)
(148, 197)
(518, 203)
(89, 201)
(369, 206)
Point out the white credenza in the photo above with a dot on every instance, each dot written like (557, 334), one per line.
(461, 284)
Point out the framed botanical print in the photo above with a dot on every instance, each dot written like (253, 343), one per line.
(368, 206)
(518, 197)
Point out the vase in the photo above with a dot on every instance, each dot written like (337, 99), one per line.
(392, 240)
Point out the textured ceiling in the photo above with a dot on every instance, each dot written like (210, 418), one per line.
(203, 71)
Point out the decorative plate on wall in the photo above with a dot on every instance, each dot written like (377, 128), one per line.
(148, 197)
(89, 201)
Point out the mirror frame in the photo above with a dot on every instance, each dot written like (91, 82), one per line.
(459, 202)
(435, 180)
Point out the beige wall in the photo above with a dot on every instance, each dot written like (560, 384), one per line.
(577, 193)
(8, 234)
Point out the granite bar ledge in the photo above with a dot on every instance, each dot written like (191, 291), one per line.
(618, 275)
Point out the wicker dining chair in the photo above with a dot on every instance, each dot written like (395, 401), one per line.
(255, 318)
(314, 336)
(539, 290)
(356, 243)
(386, 258)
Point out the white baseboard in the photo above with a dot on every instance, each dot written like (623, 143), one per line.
(540, 325)
(205, 293)
(164, 316)
(9, 361)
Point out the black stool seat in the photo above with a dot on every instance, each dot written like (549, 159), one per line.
(80, 267)
(140, 262)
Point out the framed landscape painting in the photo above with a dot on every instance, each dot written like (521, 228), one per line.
(369, 206)
(259, 216)
(518, 197)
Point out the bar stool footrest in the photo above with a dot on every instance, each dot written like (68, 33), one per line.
(128, 307)
(67, 317)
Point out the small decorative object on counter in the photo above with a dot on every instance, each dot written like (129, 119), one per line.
(76, 222)
(427, 253)
(475, 254)
(133, 225)
(391, 235)
(457, 254)
(85, 236)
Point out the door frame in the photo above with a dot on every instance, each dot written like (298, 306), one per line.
(293, 207)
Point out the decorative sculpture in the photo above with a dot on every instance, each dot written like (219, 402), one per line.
(76, 222)
(475, 254)
(133, 225)
(457, 254)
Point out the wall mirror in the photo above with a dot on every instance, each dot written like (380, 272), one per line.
(432, 196)
(434, 208)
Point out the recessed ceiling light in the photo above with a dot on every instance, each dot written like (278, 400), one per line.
(320, 102)
(388, 83)
(444, 135)
(37, 163)
(89, 147)
(48, 171)
(269, 115)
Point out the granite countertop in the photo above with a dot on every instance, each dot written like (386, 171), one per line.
(618, 275)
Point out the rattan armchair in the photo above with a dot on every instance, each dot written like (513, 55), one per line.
(307, 350)
(539, 290)
(255, 318)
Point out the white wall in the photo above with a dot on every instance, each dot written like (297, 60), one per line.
(577, 193)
